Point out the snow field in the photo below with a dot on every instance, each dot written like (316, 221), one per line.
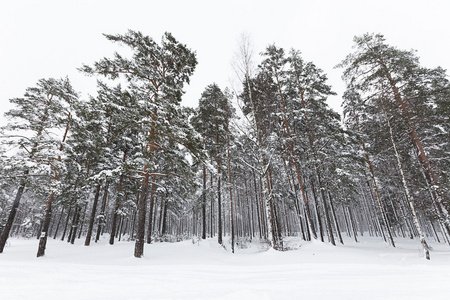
(369, 269)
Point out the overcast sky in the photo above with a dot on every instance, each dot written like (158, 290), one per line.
(43, 38)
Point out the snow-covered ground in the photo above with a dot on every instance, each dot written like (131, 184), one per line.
(369, 269)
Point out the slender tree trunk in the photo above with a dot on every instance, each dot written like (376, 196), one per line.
(87, 242)
(325, 206)
(219, 195)
(75, 225)
(82, 221)
(316, 206)
(164, 219)
(258, 213)
(102, 216)
(59, 222)
(212, 206)
(405, 186)
(117, 203)
(150, 214)
(120, 231)
(66, 223)
(336, 221)
(352, 224)
(219, 208)
(204, 199)
(231, 193)
(250, 209)
(72, 222)
(204, 204)
(327, 217)
(115, 211)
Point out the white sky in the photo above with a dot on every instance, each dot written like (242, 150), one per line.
(51, 38)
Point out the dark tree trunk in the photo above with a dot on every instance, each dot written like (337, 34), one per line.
(219, 209)
(231, 192)
(76, 220)
(114, 213)
(142, 205)
(204, 204)
(12, 214)
(116, 204)
(150, 214)
(250, 209)
(257, 205)
(325, 208)
(82, 221)
(44, 232)
(164, 219)
(353, 224)
(87, 242)
(102, 216)
(67, 223)
(336, 222)
(59, 222)
(318, 215)
(211, 209)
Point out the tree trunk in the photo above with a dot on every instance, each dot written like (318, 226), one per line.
(258, 213)
(250, 209)
(117, 204)
(80, 232)
(59, 223)
(336, 221)
(204, 204)
(211, 209)
(102, 216)
(142, 205)
(316, 206)
(327, 217)
(352, 224)
(150, 214)
(405, 186)
(219, 208)
(231, 193)
(12, 214)
(75, 225)
(44, 232)
(164, 220)
(87, 242)
(66, 223)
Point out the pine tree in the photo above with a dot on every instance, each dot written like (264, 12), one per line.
(155, 75)
(413, 94)
(43, 109)
(212, 120)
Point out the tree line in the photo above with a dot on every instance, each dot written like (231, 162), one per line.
(133, 163)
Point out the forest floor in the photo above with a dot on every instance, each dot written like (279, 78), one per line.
(195, 269)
